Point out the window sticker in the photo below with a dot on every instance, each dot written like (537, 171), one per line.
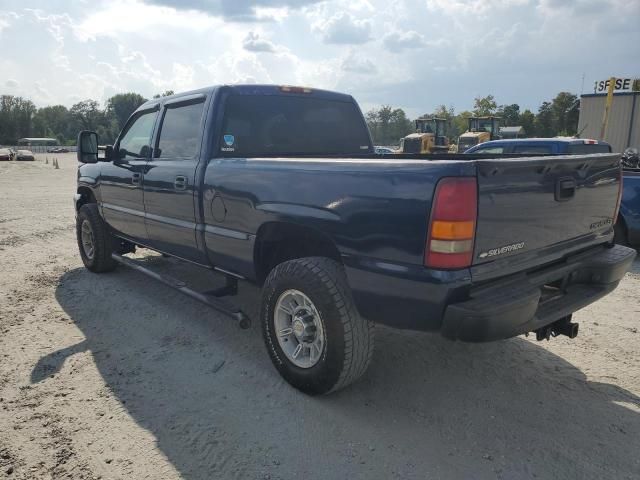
(229, 141)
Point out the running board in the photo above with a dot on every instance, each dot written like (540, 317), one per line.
(221, 306)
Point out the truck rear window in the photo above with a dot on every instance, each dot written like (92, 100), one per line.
(586, 148)
(255, 125)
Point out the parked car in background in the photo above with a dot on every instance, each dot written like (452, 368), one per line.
(58, 150)
(6, 155)
(542, 146)
(384, 150)
(25, 155)
(627, 227)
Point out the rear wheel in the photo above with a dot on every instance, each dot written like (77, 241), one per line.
(95, 242)
(313, 332)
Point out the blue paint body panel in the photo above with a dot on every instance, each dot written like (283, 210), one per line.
(630, 207)
(211, 209)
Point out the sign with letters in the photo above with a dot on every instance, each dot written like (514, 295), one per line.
(621, 85)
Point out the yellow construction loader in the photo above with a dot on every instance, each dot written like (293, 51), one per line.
(430, 137)
(481, 129)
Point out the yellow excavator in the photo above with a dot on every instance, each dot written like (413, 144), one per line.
(481, 129)
(430, 137)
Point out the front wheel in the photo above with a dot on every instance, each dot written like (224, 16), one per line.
(95, 241)
(313, 332)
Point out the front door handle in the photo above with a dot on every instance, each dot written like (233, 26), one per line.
(136, 178)
(180, 183)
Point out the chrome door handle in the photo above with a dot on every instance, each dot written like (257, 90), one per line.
(180, 183)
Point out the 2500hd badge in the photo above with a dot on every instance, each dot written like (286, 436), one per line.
(499, 251)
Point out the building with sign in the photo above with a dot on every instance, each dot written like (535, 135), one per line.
(622, 128)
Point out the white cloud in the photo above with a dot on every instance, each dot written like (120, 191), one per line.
(413, 54)
(11, 83)
(355, 63)
(396, 41)
(238, 11)
(254, 43)
(344, 28)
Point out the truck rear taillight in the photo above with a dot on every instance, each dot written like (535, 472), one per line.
(453, 224)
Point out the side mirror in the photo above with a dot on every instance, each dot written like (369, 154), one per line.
(87, 147)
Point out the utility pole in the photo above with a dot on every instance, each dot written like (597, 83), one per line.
(607, 107)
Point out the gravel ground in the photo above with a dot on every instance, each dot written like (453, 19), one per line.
(115, 376)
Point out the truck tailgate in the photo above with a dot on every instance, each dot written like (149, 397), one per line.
(528, 204)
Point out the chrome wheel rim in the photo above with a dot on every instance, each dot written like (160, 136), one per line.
(299, 329)
(86, 235)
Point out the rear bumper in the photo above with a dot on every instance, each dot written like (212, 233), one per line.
(518, 305)
(447, 301)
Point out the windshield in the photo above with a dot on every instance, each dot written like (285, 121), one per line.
(466, 143)
(256, 125)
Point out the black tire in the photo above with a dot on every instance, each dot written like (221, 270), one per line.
(348, 347)
(103, 240)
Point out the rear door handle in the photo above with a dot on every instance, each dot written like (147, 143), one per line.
(180, 183)
(136, 178)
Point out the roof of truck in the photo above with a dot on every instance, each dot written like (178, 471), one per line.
(254, 89)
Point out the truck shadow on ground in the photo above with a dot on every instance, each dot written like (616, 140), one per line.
(427, 408)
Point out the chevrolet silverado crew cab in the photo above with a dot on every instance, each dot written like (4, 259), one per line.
(280, 187)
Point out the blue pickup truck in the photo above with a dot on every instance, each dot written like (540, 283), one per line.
(627, 228)
(280, 187)
(542, 146)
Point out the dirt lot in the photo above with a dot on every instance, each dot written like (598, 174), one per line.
(114, 376)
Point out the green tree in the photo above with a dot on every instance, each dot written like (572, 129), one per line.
(483, 106)
(544, 124)
(122, 105)
(566, 110)
(510, 114)
(16, 118)
(461, 122)
(165, 94)
(55, 122)
(527, 120)
(388, 125)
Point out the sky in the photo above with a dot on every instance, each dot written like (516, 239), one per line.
(412, 54)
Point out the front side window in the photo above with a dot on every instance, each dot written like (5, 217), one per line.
(135, 143)
(256, 125)
(180, 131)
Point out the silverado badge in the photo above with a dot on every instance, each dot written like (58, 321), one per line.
(500, 250)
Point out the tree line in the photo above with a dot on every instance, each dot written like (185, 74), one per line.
(556, 117)
(20, 118)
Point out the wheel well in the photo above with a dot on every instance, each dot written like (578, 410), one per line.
(86, 196)
(277, 242)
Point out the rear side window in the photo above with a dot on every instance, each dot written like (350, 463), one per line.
(256, 125)
(586, 148)
(532, 149)
(490, 150)
(180, 131)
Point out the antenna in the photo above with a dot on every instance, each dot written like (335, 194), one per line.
(582, 86)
